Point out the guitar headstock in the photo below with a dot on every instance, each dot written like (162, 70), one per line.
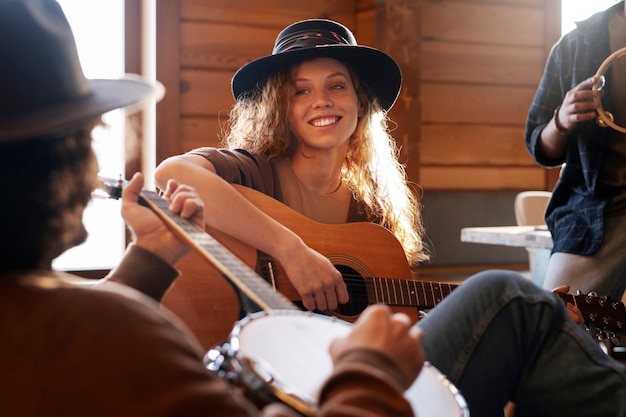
(603, 315)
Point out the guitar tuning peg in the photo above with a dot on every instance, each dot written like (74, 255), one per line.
(592, 294)
(579, 292)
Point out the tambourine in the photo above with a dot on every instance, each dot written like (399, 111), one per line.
(605, 118)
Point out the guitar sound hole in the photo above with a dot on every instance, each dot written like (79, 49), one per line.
(356, 289)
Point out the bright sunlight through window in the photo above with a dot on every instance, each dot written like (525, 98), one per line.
(576, 10)
(98, 27)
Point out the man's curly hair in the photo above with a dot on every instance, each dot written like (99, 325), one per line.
(47, 183)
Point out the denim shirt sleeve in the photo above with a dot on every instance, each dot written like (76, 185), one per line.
(549, 95)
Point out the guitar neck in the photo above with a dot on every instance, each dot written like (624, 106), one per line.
(231, 267)
(412, 293)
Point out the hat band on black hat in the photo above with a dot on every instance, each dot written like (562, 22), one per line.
(309, 39)
(316, 38)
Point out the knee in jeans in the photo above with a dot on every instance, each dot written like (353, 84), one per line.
(501, 281)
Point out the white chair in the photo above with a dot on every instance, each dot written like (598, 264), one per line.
(530, 208)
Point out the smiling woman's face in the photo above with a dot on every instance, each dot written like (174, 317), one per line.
(324, 107)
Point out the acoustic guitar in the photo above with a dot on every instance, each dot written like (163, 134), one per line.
(372, 263)
(370, 258)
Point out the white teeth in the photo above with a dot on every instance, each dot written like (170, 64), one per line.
(324, 121)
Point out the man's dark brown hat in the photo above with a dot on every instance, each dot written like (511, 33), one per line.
(42, 87)
(315, 38)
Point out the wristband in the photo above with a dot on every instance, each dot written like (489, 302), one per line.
(562, 130)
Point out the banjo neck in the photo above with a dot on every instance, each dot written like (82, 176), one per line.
(231, 267)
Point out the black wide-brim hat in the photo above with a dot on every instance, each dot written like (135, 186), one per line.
(42, 86)
(316, 38)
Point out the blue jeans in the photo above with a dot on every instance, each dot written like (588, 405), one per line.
(498, 338)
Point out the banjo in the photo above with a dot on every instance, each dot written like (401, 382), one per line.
(281, 352)
(283, 355)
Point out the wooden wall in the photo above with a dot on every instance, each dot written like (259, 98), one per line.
(471, 68)
(470, 71)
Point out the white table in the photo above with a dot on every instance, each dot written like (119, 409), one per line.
(520, 236)
(537, 237)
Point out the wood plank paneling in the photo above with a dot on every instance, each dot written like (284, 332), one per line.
(200, 131)
(524, 3)
(272, 13)
(475, 104)
(482, 23)
(370, 4)
(362, 5)
(482, 145)
(482, 178)
(205, 93)
(223, 46)
(481, 63)
(365, 27)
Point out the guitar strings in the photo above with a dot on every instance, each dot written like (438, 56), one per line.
(358, 285)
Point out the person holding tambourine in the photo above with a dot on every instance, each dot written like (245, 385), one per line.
(575, 123)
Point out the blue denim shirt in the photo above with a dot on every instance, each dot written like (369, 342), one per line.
(575, 213)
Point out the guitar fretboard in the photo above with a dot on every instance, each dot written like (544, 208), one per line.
(422, 294)
(233, 269)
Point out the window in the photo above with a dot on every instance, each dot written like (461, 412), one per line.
(576, 10)
(98, 27)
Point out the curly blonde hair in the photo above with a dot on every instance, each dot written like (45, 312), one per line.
(371, 170)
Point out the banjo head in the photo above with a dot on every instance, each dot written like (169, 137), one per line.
(285, 353)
